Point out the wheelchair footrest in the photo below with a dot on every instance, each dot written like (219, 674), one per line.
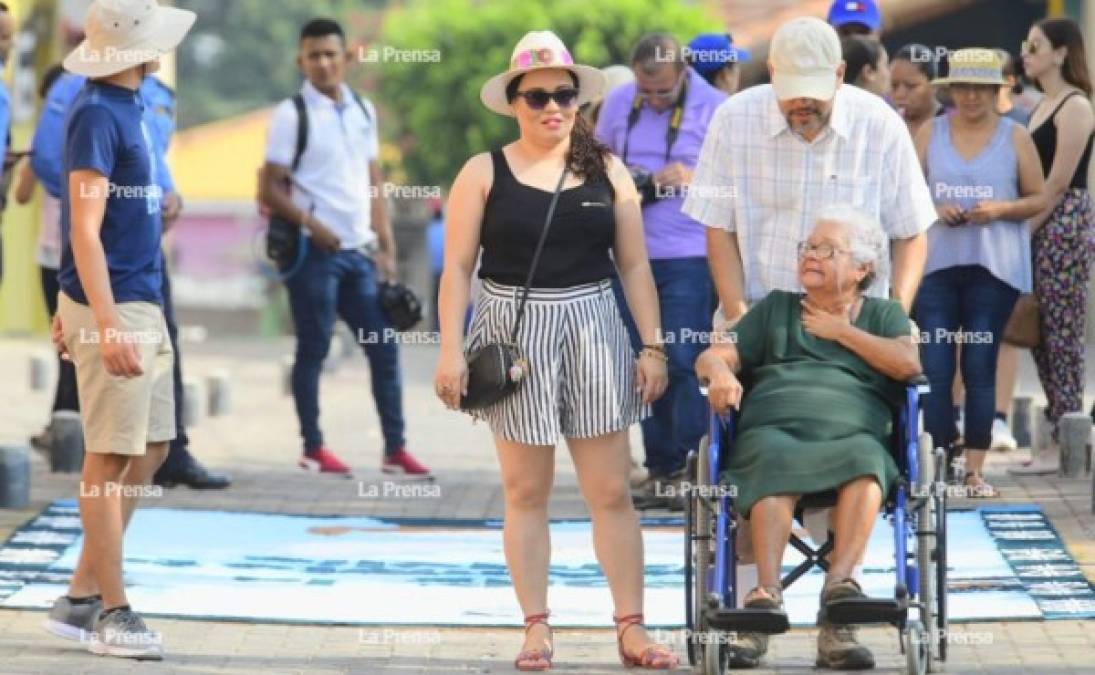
(749, 620)
(866, 610)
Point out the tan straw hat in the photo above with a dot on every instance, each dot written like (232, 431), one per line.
(540, 50)
(122, 34)
(974, 66)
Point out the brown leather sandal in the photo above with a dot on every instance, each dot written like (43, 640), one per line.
(654, 657)
(535, 659)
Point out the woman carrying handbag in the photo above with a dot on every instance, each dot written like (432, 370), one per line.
(547, 349)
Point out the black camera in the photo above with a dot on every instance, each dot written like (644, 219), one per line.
(644, 183)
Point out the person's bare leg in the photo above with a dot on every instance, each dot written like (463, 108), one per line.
(770, 522)
(100, 564)
(603, 466)
(1007, 369)
(138, 477)
(137, 474)
(527, 475)
(857, 505)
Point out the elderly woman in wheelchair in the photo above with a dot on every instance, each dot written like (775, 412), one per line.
(824, 369)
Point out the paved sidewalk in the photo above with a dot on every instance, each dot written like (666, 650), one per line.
(258, 445)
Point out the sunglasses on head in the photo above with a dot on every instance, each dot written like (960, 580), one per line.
(537, 99)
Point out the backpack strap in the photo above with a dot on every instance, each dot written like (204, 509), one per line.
(302, 130)
(361, 104)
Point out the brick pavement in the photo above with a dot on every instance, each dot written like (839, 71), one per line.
(258, 445)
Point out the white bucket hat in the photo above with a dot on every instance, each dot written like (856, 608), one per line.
(540, 50)
(122, 34)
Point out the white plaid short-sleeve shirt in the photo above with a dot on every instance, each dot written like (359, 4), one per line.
(758, 179)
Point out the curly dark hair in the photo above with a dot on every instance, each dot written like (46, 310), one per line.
(587, 156)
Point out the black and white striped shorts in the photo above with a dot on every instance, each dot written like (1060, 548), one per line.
(581, 380)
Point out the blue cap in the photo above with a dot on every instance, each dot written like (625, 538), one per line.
(855, 11)
(709, 52)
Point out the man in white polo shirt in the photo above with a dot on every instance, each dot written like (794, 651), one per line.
(329, 185)
(774, 156)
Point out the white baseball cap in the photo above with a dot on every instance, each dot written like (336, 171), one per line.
(804, 55)
(122, 34)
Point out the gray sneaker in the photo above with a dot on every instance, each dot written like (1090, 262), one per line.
(123, 633)
(838, 648)
(72, 621)
(745, 649)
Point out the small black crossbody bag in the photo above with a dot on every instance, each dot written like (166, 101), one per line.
(497, 369)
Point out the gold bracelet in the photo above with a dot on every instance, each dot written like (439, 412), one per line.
(658, 354)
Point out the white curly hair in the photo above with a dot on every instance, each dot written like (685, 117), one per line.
(867, 241)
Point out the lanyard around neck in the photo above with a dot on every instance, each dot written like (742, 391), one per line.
(675, 119)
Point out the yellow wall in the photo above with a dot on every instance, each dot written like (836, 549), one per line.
(21, 306)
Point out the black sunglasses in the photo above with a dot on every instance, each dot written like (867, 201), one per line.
(537, 99)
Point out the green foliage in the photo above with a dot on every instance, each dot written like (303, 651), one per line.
(241, 54)
(437, 104)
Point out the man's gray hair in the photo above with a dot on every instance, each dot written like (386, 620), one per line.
(654, 50)
(867, 241)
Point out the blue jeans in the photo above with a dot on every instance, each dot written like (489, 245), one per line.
(342, 284)
(970, 299)
(679, 418)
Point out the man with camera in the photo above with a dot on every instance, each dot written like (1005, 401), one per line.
(657, 125)
(322, 175)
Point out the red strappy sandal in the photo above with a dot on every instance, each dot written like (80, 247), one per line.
(535, 659)
(654, 657)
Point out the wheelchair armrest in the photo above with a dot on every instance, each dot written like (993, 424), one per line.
(920, 382)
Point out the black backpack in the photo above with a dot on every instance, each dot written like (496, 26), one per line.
(283, 238)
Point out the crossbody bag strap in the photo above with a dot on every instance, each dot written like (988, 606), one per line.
(536, 258)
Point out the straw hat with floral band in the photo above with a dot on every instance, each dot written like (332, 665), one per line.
(540, 50)
(122, 34)
(974, 65)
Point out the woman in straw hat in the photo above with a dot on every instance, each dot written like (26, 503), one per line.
(583, 380)
(986, 180)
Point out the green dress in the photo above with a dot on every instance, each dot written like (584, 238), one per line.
(815, 415)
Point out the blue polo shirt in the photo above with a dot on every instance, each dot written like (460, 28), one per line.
(106, 133)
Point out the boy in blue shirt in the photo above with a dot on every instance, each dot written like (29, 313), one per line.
(109, 318)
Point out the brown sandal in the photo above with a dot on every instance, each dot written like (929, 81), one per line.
(981, 489)
(774, 599)
(654, 657)
(535, 659)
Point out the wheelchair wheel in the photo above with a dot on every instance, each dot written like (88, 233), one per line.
(707, 655)
(927, 527)
(941, 569)
(916, 649)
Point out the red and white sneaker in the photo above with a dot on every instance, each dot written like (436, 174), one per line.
(323, 461)
(402, 462)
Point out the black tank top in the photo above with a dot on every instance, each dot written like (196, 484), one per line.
(1045, 139)
(577, 247)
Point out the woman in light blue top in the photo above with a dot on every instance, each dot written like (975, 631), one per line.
(986, 179)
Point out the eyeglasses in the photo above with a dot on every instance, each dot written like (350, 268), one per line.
(665, 94)
(537, 99)
(819, 252)
(1030, 46)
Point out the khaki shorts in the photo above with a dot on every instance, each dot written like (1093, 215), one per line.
(120, 415)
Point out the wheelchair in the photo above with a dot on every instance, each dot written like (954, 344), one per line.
(915, 507)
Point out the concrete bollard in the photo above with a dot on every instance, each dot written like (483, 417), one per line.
(220, 393)
(40, 367)
(1020, 421)
(14, 477)
(192, 402)
(287, 374)
(67, 452)
(1075, 438)
(1043, 430)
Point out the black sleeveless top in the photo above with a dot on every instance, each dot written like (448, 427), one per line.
(577, 247)
(1045, 139)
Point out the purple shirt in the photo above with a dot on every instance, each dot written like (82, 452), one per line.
(669, 232)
